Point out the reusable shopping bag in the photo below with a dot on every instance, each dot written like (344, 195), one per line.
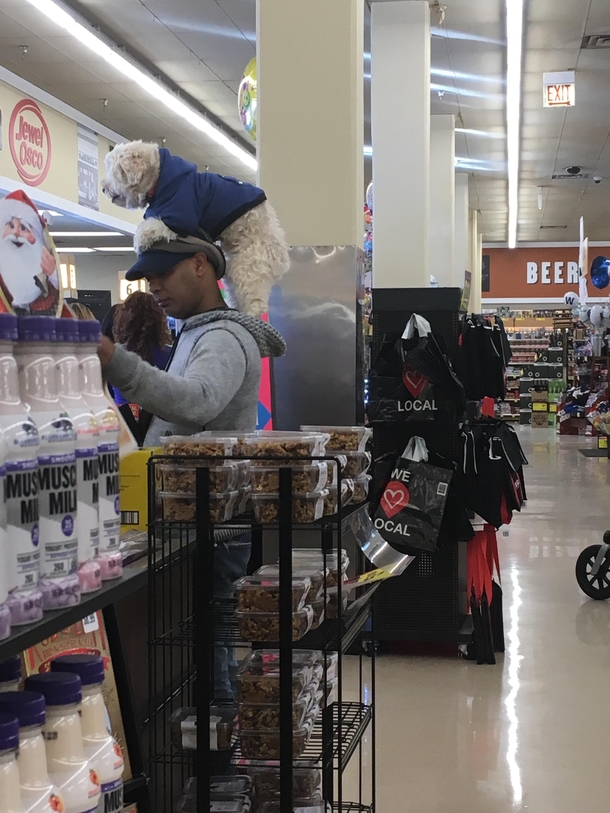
(411, 507)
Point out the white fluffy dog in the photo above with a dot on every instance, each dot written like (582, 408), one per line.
(142, 175)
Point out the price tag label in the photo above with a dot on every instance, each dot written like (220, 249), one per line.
(90, 623)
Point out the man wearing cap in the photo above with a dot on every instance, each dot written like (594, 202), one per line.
(213, 375)
(212, 378)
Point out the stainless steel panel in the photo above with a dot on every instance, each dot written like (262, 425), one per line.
(317, 308)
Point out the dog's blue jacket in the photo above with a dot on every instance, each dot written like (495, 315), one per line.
(187, 200)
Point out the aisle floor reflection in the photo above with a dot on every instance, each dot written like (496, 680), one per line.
(530, 732)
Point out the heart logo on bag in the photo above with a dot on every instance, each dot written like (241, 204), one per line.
(414, 381)
(395, 498)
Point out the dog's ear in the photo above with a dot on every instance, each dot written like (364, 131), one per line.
(133, 165)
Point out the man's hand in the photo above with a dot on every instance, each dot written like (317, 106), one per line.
(105, 351)
(47, 262)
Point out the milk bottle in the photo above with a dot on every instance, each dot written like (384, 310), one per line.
(101, 748)
(87, 466)
(108, 448)
(38, 793)
(67, 763)
(21, 467)
(57, 499)
(10, 674)
(10, 794)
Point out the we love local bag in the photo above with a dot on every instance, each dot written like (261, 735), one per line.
(398, 390)
(411, 508)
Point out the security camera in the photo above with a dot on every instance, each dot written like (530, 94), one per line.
(598, 178)
(574, 170)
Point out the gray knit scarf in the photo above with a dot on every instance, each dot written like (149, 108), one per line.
(270, 341)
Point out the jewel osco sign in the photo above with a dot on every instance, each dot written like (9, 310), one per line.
(30, 142)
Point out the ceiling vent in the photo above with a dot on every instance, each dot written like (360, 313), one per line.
(568, 176)
(553, 227)
(593, 42)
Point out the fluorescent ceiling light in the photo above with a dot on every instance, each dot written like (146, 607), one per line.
(470, 77)
(514, 57)
(368, 150)
(73, 250)
(88, 37)
(86, 234)
(447, 33)
(483, 133)
(114, 248)
(460, 91)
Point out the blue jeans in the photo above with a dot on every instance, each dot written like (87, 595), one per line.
(230, 562)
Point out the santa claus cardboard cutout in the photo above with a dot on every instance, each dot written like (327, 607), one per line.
(30, 282)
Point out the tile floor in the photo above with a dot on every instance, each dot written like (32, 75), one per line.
(530, 732)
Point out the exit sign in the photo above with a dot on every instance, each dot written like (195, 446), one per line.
(559, 89)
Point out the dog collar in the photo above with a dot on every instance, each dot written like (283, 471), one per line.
(151, 193)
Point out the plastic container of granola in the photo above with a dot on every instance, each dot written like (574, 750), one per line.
(239, 804)
(221, 787)
(266, 716)
(318, 606)
(299, 571)
(314, 558)
(306, 782)
(266, 626)
(266, 744)
(261, 594)
(309, 804)
(361, 487)
(195, 445)
(306, 477)
(306, 508)
(272, 445)
(183, 507)
(244, 501)
(258, 677)
(182, 479)
(356, 463)
(244, 473)
(331, 493)
(329, 663)
(343, 438)
(183, 728)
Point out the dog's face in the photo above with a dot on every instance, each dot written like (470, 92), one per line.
(132, 170)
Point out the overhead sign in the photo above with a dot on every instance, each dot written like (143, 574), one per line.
(533, 273)
(559, 89)
(30, 142)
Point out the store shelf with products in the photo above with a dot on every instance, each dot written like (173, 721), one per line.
(538, 361)
(291, 656)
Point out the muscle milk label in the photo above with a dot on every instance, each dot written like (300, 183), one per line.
(58, 506)
(21, 488)
(88, 495)
(109, 496)
(58, 499)
(111, 799)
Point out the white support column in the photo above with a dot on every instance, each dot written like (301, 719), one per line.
(311, 117)
(400, 119)
(461, 256)
(476, 251)
(442, 201)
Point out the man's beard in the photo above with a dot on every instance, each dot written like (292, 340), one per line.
(18, 267)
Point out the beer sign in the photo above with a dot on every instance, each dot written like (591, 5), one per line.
(30, 142)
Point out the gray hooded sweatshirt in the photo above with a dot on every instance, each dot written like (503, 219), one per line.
(212, 381)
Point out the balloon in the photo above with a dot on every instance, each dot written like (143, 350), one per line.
(599, 272)
(247, 101)
(369, 196)
(571, 299)
(596, 315)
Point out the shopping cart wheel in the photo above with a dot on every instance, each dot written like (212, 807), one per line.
(596, 585)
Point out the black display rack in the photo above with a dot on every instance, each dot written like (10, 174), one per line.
(187, 622)
(428, 601)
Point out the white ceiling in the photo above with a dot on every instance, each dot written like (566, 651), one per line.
(202, 47)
